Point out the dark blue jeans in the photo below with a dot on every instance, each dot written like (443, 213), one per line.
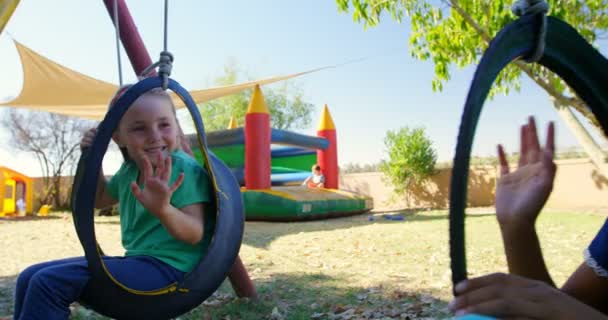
(46, 290)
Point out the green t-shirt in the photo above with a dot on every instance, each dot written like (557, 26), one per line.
(142, 233)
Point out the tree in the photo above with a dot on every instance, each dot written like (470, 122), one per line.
(286, 105)
(54, 140)
(458, 32)
(411, 159)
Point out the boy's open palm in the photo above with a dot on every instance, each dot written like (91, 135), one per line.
(156, 194)
(521, 194)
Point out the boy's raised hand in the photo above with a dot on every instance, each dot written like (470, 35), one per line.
(521, 194)
(156, 195)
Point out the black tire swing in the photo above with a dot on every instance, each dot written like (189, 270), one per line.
(222, 236)
(567, 54)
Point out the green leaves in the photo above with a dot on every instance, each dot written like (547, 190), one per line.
(456, 32)
(286, 105)
(411, 158)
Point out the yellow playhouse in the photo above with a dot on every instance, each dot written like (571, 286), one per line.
(17, 191)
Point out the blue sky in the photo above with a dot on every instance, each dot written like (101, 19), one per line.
(385, 92)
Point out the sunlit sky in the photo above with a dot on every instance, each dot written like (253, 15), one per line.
(387, 91)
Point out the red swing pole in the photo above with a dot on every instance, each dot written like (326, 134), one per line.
(140, 60)
(129, 36)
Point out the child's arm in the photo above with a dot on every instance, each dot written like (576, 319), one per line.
(588, 287)
(321, 183)
(102, 197)
(510, 296)
(186, 223)
(520, 196)
(306, 181)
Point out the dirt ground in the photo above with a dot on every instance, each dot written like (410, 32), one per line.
(26, 241)
(362, 264)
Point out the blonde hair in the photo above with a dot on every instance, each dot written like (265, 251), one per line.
(157, 92)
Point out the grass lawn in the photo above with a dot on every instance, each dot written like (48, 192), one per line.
(349, 268)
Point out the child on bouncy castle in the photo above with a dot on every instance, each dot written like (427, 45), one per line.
(316, 179)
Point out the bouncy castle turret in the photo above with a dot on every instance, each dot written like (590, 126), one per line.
(328, 158)
(232, 124)
(257, 143)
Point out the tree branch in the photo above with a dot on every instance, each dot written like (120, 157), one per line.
(484, 35)
(575, 102)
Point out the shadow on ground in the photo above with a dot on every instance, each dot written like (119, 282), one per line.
(7, 287)
(318, 296)
(261, 234)
(294, 296)
(30, 218)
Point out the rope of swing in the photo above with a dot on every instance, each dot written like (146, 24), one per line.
(117, 29)
(457, 237)
(531, 7)
(166, 58)
(165, 63)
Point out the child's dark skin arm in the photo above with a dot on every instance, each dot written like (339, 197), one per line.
(588, 287)
(520, 196)
(514, 297)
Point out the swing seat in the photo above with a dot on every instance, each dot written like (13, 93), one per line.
(567, 54)
(221, 240)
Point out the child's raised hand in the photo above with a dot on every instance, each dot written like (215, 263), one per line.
(521, 194)
(87, 138)
(157, 192)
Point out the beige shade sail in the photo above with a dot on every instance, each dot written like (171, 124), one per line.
(52, 87)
